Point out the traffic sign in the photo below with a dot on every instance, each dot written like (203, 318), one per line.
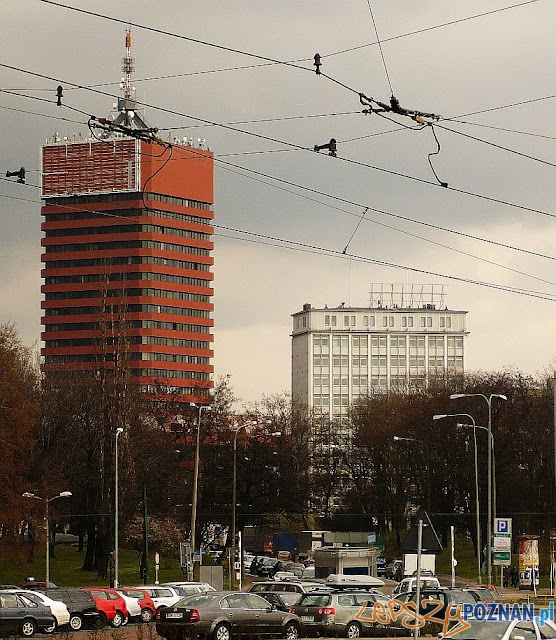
(503, 526)
(501, 558)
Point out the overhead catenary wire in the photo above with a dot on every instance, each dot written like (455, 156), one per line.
(301, 147)
(380, 47)
(107, 214)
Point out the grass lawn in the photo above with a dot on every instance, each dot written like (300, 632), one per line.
(65, 568)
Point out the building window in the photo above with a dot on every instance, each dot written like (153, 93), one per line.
(365, 321)
(371, 321)
(410, 321)
(326, 321)
(449, 322)
(333, 319)
(391, 321)
(384, 321)
(441, 322)
(423, 322)
(429, 321)
(304, 321)
(404, 322)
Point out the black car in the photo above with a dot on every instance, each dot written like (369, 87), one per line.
(21, 616)
(224, 615)
(81, 606)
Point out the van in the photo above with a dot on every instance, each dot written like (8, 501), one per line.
(410, 584)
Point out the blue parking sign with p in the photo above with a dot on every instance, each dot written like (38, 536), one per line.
(503, 525)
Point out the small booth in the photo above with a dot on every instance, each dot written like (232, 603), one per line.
(358, 561)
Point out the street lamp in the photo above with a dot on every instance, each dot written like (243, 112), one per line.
(119, 431)
(234, 501)
(399, 438)
(488, 399)
(477, 503)
(199, 408)
(47, 501)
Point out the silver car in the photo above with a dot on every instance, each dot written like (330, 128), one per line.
(338, 613)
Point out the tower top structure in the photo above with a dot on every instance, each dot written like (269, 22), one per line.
(127, 106)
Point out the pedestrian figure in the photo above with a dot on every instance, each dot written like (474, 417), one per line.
(514, 576)
(505, 574)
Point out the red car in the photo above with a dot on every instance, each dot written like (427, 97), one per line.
(148, 608)
(111, 605)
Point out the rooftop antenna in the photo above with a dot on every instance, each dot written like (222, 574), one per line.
(127, 106)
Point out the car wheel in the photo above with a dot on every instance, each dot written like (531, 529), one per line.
(50, 629)
(146, 615)
(125, 621)
(101, 621)
(291, 632)
(118, 620)
(353, 630)
(222, 632)
(28, 628)
(76, 622)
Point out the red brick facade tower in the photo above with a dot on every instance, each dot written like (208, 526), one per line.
(128, 258)
(128, 254)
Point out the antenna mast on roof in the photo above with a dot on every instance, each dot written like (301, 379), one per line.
(127, 105)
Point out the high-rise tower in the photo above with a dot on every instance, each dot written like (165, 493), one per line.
(128, 254)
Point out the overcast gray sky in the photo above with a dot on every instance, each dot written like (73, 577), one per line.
(486, 66)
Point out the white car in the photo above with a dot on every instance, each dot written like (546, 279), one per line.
(132, 605)
(162, 596)
(185, 588)
(59, 609)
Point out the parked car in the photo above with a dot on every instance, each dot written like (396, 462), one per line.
(290, 591)
(484, 593)
(268, 567)
(449, 597)
(162, 596)
(146, 604)
(81, 605)
(336, 614)
(506, 630)
(132, 605)
(21, 616)
(189, 588)
(224, 615)
(247, 560)
(59, 609)
(111, 605)
(410, 583)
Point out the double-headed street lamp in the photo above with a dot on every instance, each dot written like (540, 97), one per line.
(47, 501)
(119, 431)
(477, 503)
(200, 409)
(397, 439)
(488, 399)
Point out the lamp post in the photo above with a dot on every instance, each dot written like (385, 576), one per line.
(119, 431)
(195, 482)
(47, 501)
(234, 501)
(399, 438)
(477, 503)
(488, 399)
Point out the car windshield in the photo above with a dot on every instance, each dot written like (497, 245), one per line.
(314, 600)
(461, 597)
(482, 630)
(197, 600)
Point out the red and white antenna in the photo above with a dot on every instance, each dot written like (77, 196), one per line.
(128, 67)
(127, 106)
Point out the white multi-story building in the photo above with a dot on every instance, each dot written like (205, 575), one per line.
(343, 352)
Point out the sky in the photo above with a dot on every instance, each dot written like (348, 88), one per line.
(284, 214)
